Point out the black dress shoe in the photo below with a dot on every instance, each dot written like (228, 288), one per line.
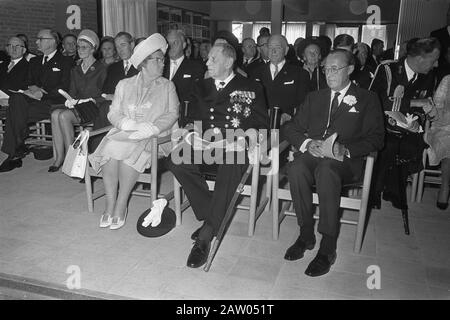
(54, 168)
(194, 235)
(297, 250)
(442, 205)
(320, 265)
(199, 254)
(10, 164)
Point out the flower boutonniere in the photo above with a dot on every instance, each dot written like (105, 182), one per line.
(350, 100)
(92, 68)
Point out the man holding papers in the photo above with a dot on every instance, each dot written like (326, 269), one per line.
(47, 74)
(355, 115)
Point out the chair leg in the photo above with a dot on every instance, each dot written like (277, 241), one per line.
(420, 186)
(177, 199)
(253, 199)
(414, 184)
(275, 201)
(88, 186)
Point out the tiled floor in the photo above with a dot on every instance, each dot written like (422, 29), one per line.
(45, 228)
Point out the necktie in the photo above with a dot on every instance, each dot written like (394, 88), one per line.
(276, 71)
(335, 103)
(127, 66)
(173, 69)
(221, 86)
(45, 59)
(10, 66)
(414, 78)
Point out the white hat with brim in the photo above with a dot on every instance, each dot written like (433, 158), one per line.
(153, 43)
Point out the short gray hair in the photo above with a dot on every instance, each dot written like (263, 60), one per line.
(227, 50)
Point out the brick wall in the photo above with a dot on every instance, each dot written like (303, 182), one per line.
(29, 16)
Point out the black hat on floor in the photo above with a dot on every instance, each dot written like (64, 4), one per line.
(168, 221)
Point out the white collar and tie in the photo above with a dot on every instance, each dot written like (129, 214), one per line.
(220, 84)
(126, 66)
(48, 57)
(174, 65)
(13, 63)
(410, 74)
(275, 69)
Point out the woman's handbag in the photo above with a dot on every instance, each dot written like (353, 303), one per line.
(76, 157)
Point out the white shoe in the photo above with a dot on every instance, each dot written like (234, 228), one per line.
(117, 223)
(105, 220)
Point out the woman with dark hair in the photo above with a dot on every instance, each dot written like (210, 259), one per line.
(107, 51)
(144, 106)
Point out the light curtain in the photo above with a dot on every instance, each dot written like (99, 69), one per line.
(125, 15)
(290, 30)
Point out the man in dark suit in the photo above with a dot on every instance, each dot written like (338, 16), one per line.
(226, 102)
(117, 71)
(285, 85)
(47, 74)
(404, 87)
(355, 115)
(183, 72)
(262, 44)
(14, 74)
(249, 53)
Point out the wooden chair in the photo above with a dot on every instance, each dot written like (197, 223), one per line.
(428, 175)
(358, 203)
(150, 178)
(262, 167)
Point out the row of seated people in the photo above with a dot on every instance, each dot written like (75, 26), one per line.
(147, 103)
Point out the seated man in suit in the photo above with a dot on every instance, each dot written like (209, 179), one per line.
(226, 102)
(285, 85)
(117, 71)
(355, 115)
(47, 74)
(14, 75)
(182, 71)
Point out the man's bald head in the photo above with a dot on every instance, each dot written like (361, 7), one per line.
(177, 43)
(278, 48)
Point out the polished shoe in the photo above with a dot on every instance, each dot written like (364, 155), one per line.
(105, 221)
(54, 168)
(117, 222)
(194, 235)
(442, 205)
(22, 151)
(297, 250)
(10, 164)
(320, 265)
(199, 253)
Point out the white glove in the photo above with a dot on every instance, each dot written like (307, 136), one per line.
(70, 103)
(154, 217)
(144, 130)
(128, 124)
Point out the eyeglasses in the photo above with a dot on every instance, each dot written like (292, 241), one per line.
(43, 38)
(83, 47)
(14, 47)
(332, 70)
(157, 59)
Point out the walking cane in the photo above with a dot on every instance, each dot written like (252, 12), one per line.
(228, 216)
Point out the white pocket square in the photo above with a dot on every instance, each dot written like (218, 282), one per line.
(186, 75)
(289, 82)
(56, 69)
(353, 110)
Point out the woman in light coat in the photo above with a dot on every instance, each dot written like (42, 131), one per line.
(144, 106)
